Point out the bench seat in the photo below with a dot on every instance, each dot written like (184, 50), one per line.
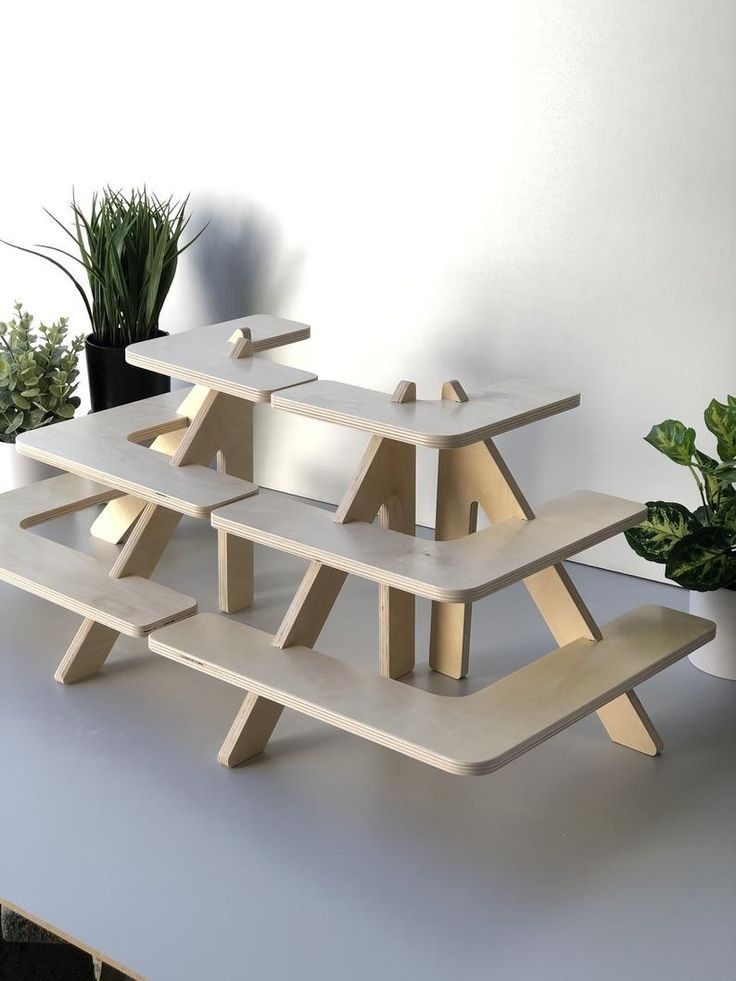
(457, 571)
(75, 580)
(105, 446)
(468, 735)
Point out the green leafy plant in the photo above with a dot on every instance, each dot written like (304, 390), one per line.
(128, 247)
(38, 374)
(697, 548)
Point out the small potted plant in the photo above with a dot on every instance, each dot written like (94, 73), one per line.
(698, 547)
(38, 378)
(128, 246)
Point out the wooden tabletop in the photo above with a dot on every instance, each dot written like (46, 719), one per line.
(458, 571)
(200, 356)
(104, 446)
(439, 423)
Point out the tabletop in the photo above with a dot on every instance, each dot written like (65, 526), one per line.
(200, 356)
(439, 423)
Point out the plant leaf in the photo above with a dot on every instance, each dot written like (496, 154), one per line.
(726, 472)
(674, 439)
(704, 560)
(717, 488)
(58, 265)
(720, 418)
(20, 401)
(665, 526)
(727, 514)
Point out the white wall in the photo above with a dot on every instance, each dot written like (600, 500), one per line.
(471, 190)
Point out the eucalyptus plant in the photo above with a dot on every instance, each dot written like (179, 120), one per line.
(128, 247)
(38, 374)
(697, 547)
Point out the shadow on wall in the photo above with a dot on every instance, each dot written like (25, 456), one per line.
(241, 263)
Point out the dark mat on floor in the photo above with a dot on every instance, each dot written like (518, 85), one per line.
(15, 928)
(44, 962)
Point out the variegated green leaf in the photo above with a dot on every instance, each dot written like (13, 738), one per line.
(726, 471)
(720, 418)
(717, 488)
(674, 439)
(726, 515)
(666, 525)
(704, 560)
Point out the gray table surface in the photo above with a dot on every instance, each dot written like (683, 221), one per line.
(332, 858)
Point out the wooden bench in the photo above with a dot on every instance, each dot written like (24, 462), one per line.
(461, 570)
(106, 447)
(74, 580)
(468, 735)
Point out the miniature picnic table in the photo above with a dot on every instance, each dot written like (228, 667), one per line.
(148, 488)
(592, 669)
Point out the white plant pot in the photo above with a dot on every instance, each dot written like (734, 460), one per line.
(718, 657)
(19, 471)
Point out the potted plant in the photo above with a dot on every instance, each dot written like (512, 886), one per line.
(38, 377)
(698, 547)
(129, 247)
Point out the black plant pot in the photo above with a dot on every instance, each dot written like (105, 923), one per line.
(112, 381)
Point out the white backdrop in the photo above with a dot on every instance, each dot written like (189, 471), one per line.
(471, 190)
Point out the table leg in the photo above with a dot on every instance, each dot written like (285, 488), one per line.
(93, 642)
(235, 555)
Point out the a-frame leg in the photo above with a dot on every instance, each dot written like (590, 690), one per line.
(302, 625)
(93, 642)
(385, 484)
(115, 521)
(213, 425)
(235, 555)
(478, 475)
(456, 516)
(234, 457)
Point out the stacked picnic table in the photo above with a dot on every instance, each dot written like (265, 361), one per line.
(150, 462)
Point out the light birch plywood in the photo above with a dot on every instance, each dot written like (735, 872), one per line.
(478, 475)
(384, 485)
(470, 735)
(74, 580)
(213, 425)
(118, 517)
(441, 423)
(458, 571)
(201, 356)
(105, 446)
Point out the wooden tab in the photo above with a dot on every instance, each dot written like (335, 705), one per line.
(405, 391)
(242, 344)
(453, 391)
